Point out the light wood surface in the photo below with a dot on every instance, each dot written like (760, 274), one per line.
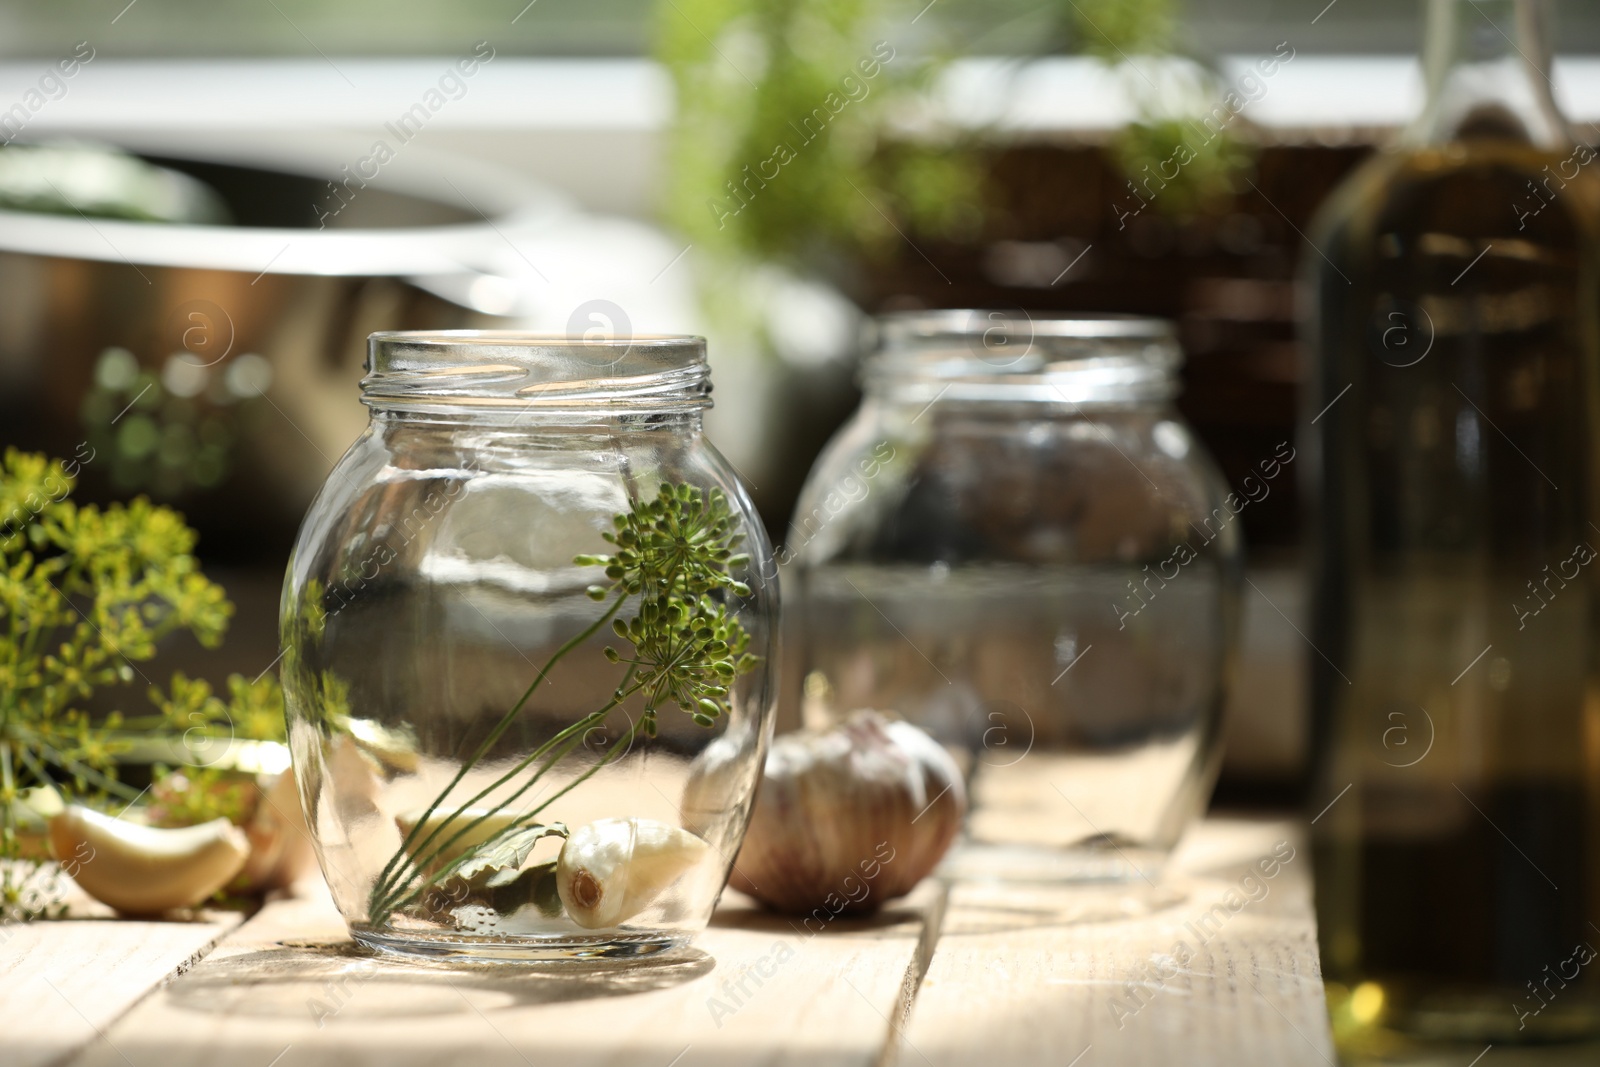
(974, 974)
(1046, 976)
(62, 983)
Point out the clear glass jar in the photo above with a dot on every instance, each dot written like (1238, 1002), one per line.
(1018, 545)
(495, 762)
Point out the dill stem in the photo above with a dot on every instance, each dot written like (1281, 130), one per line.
(488, 742)
(422, 858)
(406, 896)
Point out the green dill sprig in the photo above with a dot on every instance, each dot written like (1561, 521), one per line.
(687, 652)
(673, 551)
(681, 543)
(675, 554)
(86, 594)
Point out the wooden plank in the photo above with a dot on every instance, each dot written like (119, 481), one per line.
(1217, 966)
(288, 988)
(996, 974)
(64, 982)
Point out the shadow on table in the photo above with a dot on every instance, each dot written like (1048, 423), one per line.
(891, 920)
(980, 907)
(323, 980)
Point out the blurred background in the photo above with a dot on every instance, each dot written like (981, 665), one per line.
(206, 207)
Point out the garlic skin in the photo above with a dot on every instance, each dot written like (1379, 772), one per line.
(849, 817)
(144, 870)
(612, 869)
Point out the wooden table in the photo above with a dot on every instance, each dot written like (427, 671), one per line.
(963, 975)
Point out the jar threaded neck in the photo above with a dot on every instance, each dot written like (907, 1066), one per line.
(1015, 356)
(459, 370)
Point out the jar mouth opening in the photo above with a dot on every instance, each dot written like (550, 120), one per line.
(454, 370)
(1014, 355)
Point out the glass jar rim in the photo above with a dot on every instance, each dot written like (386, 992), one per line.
(445, 371)
(1015, 355)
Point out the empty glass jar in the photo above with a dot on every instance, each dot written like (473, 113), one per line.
(528, 639)
(1018, 545)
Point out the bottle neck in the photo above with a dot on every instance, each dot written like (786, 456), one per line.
(1487, 67)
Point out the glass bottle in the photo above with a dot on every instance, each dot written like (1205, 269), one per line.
(1456, 690)
(529, 651)
(1017, 544)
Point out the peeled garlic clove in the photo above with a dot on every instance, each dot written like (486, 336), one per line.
(280, 809)
(849, 817)
(495, 820)
(612, 869)
(280, 842)
(267, 840)
(143, 870)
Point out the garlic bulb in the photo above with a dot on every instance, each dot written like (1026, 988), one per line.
(612, 869)
(143, 870)
(850, 817)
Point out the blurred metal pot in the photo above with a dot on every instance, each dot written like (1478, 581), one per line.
(188, 301)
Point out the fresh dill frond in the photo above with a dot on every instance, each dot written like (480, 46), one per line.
(86, 594)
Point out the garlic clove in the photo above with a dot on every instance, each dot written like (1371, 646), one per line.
(495, 821)
(144, 870)
(612, 869)
(268, 836)
(281, 806)
(280, 841)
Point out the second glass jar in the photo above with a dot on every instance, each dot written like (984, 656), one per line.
(1018, 545)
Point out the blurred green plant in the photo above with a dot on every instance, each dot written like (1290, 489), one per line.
(784, 112)
(86, 593)
(1207, 167)
(1121, 33)
(1113, 30)
(803, 134)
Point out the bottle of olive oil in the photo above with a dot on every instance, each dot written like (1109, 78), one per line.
(1454, 417)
